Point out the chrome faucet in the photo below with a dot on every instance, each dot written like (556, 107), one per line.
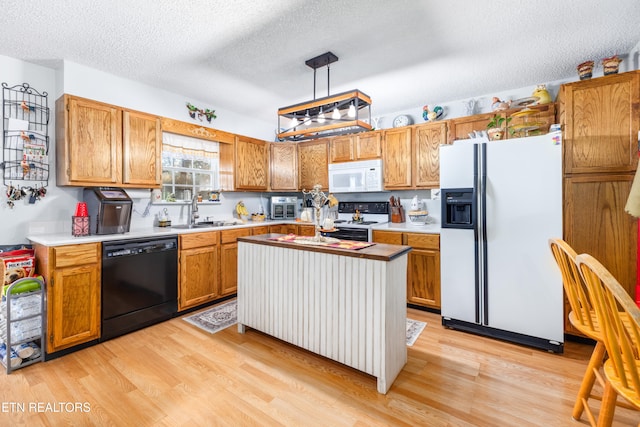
(194, 211)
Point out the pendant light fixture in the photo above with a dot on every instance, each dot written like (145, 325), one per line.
(352, 111)
(315, 124)
(336, 113)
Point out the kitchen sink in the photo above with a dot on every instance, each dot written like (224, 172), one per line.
(204, 224)
(190, 226)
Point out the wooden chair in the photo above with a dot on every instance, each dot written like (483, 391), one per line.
(619, 319)
(582, 317)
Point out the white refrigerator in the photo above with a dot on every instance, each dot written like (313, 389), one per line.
(501, 202)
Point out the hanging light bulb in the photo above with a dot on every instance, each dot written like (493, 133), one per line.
(352, 110)
(321, 118)
(294, 121)
(336, 113)
(307, 118)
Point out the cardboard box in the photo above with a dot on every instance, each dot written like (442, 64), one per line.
(17, 264)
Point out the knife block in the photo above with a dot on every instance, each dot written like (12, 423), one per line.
(397, 214)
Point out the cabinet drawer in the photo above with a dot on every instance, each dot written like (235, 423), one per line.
(73, 255)
(423, 241)
(263, 229)
(230, 236)
(198, 240)
(390, 237)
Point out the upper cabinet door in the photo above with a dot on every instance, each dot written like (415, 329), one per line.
(396, 157)
(142, 149)
(92, 149)
(369, 145)
(284, 166)
(426, 147)
(313, 163)
(252, 164)
(601, 122)
(341, 148)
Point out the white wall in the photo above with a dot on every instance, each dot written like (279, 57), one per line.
(56, 208)
(89, 83)
(456, 108)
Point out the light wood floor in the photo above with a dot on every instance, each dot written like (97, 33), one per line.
(174, 374)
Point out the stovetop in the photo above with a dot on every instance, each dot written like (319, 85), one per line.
(370, 212)
(351, 222)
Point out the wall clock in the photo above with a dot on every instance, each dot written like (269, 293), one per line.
(402, 120)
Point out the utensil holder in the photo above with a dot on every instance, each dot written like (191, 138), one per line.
(397, 214)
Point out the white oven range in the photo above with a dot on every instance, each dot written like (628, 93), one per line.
(371, 213)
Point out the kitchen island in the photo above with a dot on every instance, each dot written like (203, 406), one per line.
(344, 304)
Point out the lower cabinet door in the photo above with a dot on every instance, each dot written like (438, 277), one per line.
(228, 268)
(74, 307)
(423, 278)
(198, 276)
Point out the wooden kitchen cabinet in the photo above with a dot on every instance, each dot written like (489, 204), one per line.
(313, 163)
(306, 230)
(284, 229)
(252, 164)
(423, 270)
(341, 149)
(199, 262)
(88, 142)
(360, 146)
(544, 115)
(595, 222)
(262, 229)
(229, 259)
(427, 139)
(423, 265)
(397, 158)
(73, 275)
(601, 119)
(98, 144)
(389, 237)
(461, 127)
(283, 166)
(141, 149)
(368, 145)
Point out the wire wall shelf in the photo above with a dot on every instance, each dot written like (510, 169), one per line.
(25, 115)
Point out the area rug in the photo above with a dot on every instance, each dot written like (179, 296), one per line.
(414, 329)
(224, 315)
(215, 319)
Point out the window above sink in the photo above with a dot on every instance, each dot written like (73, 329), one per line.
(189, 166)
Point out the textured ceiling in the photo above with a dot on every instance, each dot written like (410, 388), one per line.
(249, 56)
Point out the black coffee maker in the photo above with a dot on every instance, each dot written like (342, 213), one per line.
(109, 210)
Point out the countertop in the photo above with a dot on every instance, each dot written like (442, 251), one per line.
(377, 251)
(407, 227)
(61, 239)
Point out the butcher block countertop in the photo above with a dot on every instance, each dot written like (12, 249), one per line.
(377, 251)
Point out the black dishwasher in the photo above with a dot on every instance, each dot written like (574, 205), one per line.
(139, 284)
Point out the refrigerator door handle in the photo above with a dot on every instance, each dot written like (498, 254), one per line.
(481, 182)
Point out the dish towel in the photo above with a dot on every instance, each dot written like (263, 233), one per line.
(633, 201)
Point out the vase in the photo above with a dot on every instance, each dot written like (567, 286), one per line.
(585, 70)
(611, 65)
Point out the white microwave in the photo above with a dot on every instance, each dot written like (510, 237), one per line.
(355, 177)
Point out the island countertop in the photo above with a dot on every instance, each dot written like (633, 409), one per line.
(377, 251)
